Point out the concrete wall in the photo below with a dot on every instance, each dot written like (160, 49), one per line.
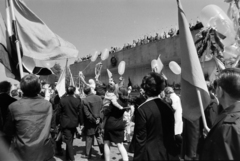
(138, 61)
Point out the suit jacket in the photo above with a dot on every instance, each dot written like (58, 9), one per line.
(70, 111)
(154, 130)
(29, 123)
(5, 101)
(223, 140)
(92, 106)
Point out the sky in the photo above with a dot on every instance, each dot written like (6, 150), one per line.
(93, 25)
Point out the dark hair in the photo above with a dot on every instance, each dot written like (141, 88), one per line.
(70, 90)
(123, 94)
(14, 92)
(111, 88)
(87, 90)
(153, 84)
(30, 85)
(5, 86)
(229, 81)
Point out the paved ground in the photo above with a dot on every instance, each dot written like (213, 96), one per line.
(79, 149)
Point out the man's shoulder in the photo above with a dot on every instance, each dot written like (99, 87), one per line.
(232, 118)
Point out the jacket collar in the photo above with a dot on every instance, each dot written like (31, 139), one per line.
(149, 99)
(231, 109)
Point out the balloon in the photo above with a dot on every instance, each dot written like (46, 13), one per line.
(175, 68)
(230, 52)
(94, 56)
(105, 54)
(121, 68)
(213, 16)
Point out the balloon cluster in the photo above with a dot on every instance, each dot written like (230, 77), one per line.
(104, 55)
(227, 25)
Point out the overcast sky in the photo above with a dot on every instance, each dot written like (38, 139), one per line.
(93, 25)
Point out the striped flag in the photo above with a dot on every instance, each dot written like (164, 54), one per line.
(192, 78)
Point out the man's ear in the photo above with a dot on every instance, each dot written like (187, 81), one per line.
(221, 92)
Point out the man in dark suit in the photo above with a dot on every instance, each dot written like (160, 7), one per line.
(6, 100)
(223, 140)
(154, 123)
(70, 108)
(92, 105)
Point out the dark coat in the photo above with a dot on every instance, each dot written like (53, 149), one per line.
(223, 140)
(154, 131)
(29, 123)
(5, 101)
(70, 111)
(92, 106)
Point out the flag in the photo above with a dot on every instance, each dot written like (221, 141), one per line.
(37, 40)
(61, 84)
(9, 62)
(109, 74)
(71, 78)
(30, 65)
(192, 78)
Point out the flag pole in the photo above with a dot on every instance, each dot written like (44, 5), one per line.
(17, 40)
(202, 111)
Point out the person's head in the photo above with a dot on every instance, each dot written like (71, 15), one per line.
(14, 93)
(153, 84)
(87, 90)
(111, 88)
(5, 87)
(123, 94)
(30, 85)
(70, 90)
(228, 86)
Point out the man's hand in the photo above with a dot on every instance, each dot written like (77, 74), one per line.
(98, 121)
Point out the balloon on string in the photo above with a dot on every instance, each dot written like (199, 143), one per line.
(175, 68)
(121, 67)
(213, 16)
(231, 52)
(94, 56)
(105, 54)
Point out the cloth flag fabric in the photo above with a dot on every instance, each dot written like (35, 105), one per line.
(192, 78)
(109, 74)
(9, 62)
(71, 78)
(61, 84)
(37, 40)
(30, 65)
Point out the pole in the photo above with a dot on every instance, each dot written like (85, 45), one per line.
(17, 40)
(202, 111)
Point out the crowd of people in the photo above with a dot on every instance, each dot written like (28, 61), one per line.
(35, 125)
(147, 39)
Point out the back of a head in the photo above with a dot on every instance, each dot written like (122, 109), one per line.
(87, 90)
(70, 90)
(30, 85)
(5, 87)
(123, 94)
(229, 81)
(153, 84)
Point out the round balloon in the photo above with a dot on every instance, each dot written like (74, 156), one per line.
(94, 56)
(175, 68)
(105, 54)
(121, 68)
